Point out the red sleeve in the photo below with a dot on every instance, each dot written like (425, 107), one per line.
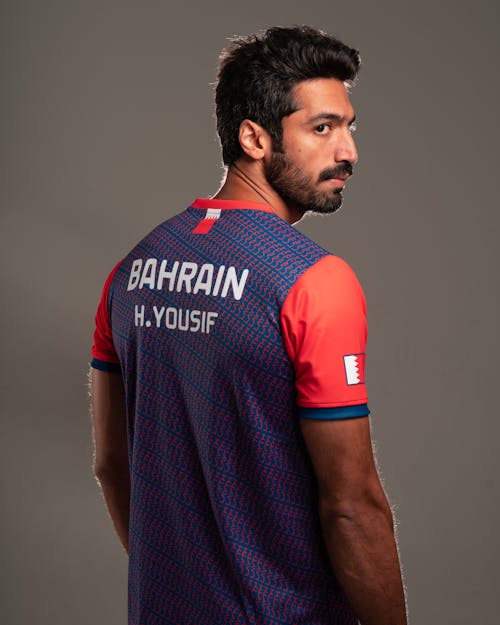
(323, 320)
(103, 349)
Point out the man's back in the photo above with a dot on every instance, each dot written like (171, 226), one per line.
(232, 443)
(224, 525)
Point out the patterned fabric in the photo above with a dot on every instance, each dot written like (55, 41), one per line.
(224, 526)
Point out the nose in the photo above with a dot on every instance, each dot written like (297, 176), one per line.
(346, 148)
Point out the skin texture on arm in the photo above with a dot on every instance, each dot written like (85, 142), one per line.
(111, 465)
(356, 519)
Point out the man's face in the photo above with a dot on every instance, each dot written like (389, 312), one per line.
(318, 148)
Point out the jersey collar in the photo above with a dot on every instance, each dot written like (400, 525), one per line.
(231, 205)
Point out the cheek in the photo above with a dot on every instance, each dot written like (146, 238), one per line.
(306, 153)
(310, 161)
(302, 154)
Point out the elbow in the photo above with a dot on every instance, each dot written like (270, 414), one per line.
(109, 468)
(356, 510)
(102, 471)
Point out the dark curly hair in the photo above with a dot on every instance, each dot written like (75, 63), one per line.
(257, 74)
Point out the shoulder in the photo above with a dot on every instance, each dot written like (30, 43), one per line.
(330, 281)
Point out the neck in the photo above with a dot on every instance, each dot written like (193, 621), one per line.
(245, 181)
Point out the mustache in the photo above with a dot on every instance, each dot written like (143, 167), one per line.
(342, 169)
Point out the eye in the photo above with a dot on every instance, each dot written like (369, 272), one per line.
(322, 129)
(352, 127)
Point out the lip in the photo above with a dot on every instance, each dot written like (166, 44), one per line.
(337, 181)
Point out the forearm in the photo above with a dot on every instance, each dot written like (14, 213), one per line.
(115, 484)
(363, 552)
(111, 465)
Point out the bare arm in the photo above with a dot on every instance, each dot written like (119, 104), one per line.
(356, 519)
(111, 465)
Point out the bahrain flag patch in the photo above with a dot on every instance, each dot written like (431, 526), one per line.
(354, 365)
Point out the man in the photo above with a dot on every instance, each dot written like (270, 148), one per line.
(229, 406)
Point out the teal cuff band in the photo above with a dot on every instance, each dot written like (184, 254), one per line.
(102, 365)
(344, 412)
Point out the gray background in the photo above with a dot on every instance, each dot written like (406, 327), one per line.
(107, 129)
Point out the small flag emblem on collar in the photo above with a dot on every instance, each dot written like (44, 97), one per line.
(208, 221)
(354, 365)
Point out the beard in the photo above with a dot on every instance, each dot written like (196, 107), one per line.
(297, 189)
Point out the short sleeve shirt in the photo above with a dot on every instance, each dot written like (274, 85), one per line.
(228, 325)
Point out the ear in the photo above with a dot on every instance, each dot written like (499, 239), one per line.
(254, 140)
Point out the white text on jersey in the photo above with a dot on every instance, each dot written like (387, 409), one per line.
(187, 276)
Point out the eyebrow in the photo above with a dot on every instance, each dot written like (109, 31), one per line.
(331, 117)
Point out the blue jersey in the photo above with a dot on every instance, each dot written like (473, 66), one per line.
(216, 324)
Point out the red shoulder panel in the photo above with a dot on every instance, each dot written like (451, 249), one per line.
(324, 329)
(103, 348)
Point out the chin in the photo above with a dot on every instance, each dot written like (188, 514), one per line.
(328, 206)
